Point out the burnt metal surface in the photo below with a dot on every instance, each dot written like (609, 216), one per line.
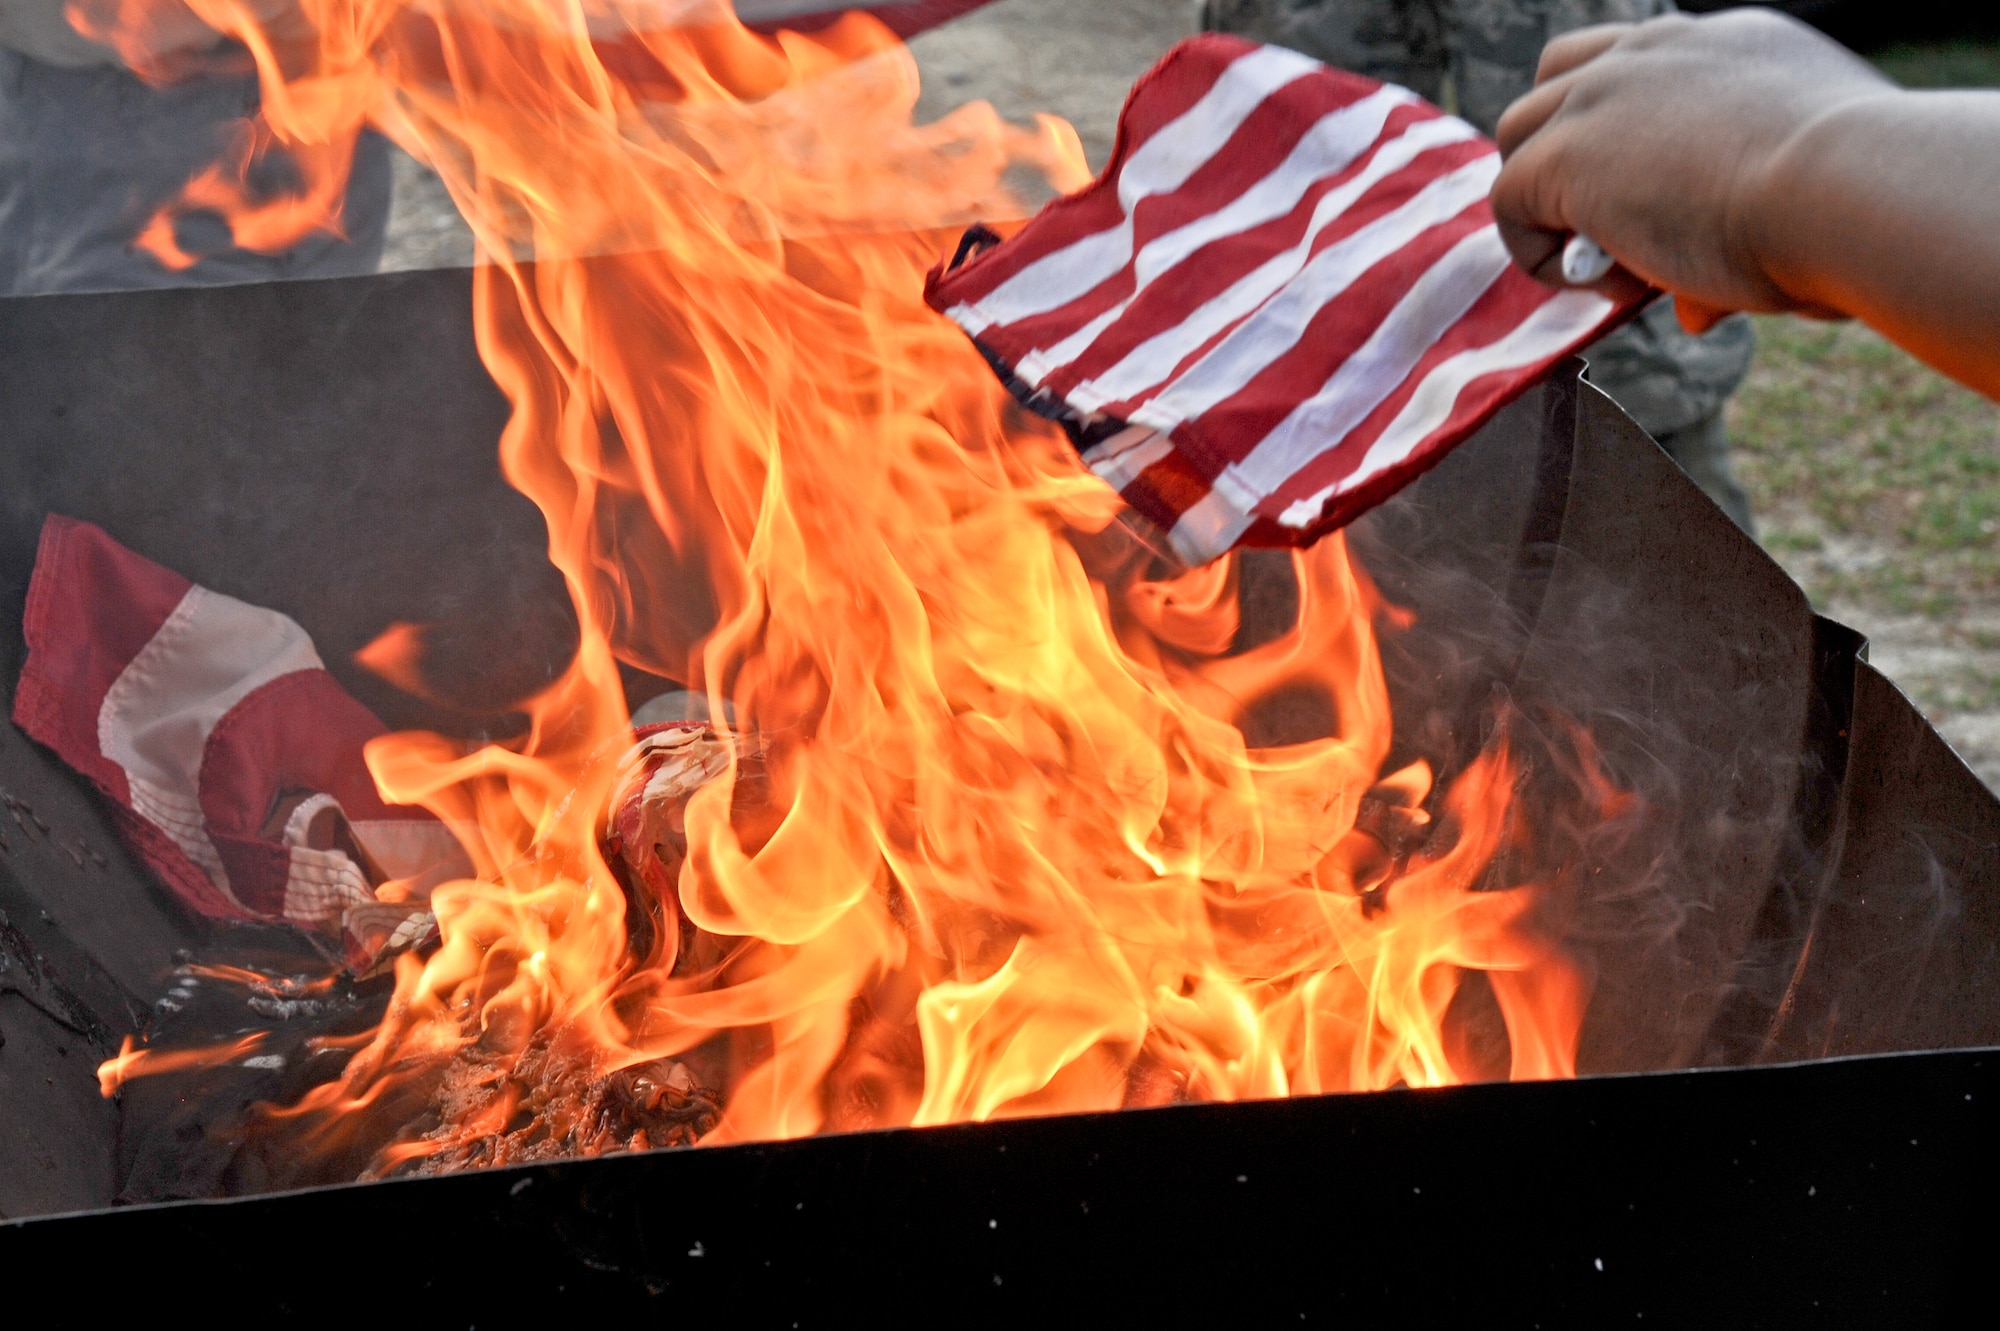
(1888, 937)
(85, 938)
(1563, 568)
(1830, 1194)
(327, 449)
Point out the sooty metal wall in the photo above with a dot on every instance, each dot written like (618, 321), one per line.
(1820, 882)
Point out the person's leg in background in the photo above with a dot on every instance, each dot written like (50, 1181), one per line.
(1475, 57)
(1674, 384)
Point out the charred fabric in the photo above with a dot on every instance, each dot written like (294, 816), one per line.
(1816, 880)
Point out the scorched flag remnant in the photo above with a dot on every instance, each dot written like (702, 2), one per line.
(230, 757)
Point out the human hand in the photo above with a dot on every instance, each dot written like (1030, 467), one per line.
(1667, 142)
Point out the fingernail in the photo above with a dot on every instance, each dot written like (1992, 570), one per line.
(1585, 262)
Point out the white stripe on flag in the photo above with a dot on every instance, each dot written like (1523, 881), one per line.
(1332, 271)
(1160, 166)
(1546, 332)
(1213, 522)
(209, 655)
(322, 885)
(1277, 326)
(414, 847)
(1327, 149)
(180, 816)
(1437, 301)
(212, 652)
(1121, 460)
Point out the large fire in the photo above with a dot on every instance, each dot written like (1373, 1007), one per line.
(982, 834)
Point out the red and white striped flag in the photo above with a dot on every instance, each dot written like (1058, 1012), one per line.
(1285, 298)
(229, 756)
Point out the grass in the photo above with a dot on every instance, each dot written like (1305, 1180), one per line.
(1943, 65)
(1874, 475)
(1964, 689)
(1877, 480)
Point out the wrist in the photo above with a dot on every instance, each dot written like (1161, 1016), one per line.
(1779, 214)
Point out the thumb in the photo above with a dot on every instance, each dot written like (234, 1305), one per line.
(1537, 250)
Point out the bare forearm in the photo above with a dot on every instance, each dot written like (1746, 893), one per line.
(1888, 209)
(1743, 161)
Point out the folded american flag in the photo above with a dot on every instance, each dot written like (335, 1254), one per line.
(1284, 299)
(230, 757)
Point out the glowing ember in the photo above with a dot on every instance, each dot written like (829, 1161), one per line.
(984, 836)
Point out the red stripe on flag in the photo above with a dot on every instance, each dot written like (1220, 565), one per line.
(1228, 431)
(1259, 147)
(1499, 312)
(92, 606)
(301, 731)
(1168, 488)
(1176, 297)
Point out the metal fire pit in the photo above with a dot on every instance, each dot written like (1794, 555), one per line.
(1785, 1115)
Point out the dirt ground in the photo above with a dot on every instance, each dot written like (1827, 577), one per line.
(1877, 483)
(1877, 486)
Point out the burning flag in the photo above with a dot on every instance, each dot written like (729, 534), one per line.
(994, 827)
(1284, 299)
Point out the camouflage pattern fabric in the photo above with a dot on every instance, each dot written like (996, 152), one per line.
(1499, 43)
(1676, 386)
(1396, 41)
(1475, 57)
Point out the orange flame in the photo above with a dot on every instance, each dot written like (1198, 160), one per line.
(132, 1061)
(396, 654)
(987, 837)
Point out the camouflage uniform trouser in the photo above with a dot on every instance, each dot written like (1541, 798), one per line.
(1476, 57)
